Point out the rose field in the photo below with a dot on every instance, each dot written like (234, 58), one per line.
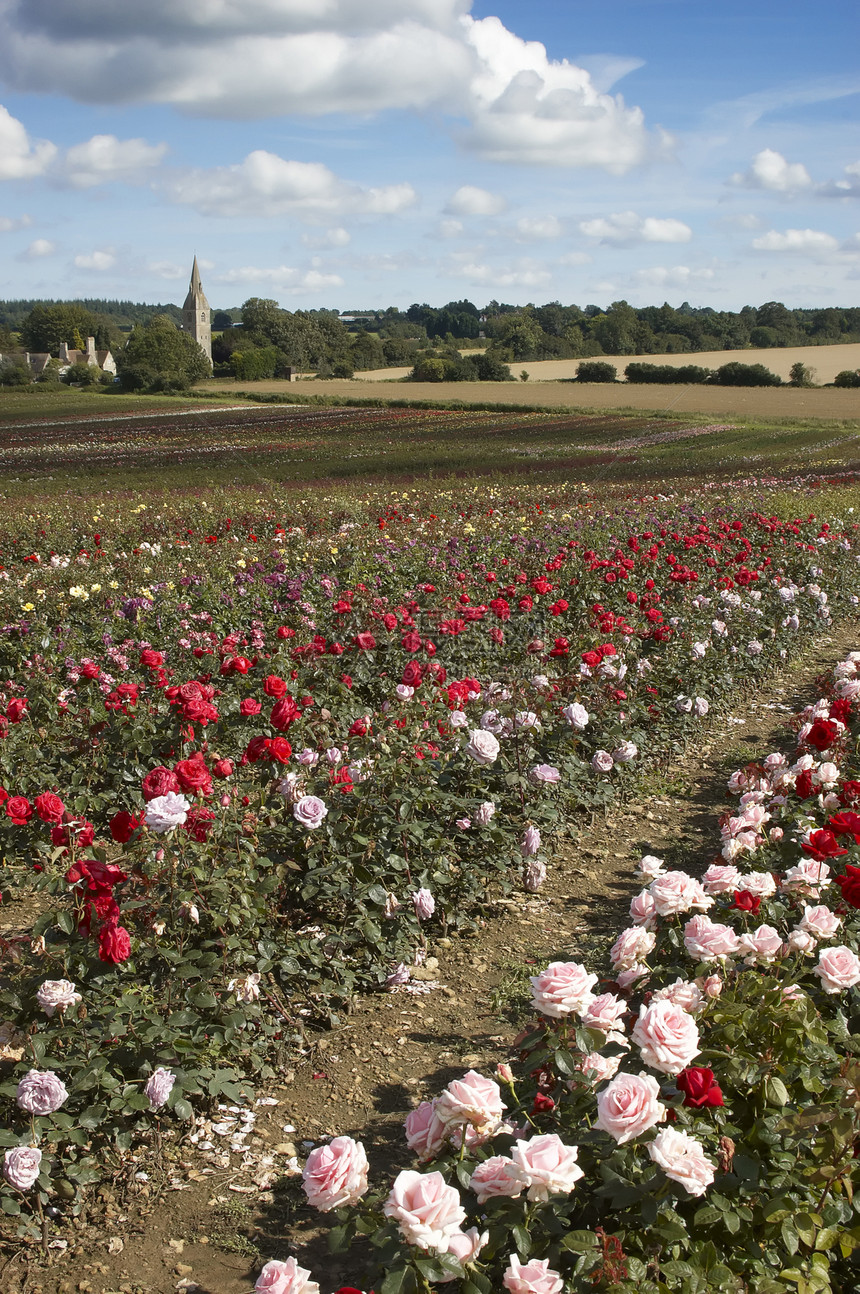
(296, 701)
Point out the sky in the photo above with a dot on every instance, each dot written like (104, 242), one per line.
(359, 154)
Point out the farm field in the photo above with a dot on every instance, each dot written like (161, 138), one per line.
(749, 402)
(295, 703)
(826, 361)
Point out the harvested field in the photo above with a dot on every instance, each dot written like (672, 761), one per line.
(750, 402)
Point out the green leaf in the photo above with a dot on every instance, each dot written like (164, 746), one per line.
(522, 1240)
(579, 1242)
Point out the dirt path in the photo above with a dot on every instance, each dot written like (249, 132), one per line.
(225, 1213)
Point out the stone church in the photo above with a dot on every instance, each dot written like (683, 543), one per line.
(196, 314)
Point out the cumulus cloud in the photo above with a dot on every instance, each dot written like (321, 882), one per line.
(526, 108)
(8, 224)
(796, 240)
(104, 159)
(20, 157)
(285, 277)
(265, 184)
(449, 228)
(274, 57)
(338, 237)
(537, 228)
(771, 172)
(469, 200)
(626, 228)
(847, 187)
(99, 260)
(525, 274)
(38, 248)
(673, 276)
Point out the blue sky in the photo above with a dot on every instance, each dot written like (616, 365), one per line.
(359, 153)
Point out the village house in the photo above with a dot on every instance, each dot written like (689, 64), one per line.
(38, 361)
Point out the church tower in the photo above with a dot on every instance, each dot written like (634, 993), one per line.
(196, 314)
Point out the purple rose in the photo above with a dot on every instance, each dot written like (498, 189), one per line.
(41, 1092)
(21, 1166)
(425, 904)
(309, 811)
(159, 1087)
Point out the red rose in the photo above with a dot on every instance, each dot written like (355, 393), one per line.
(151, 659)
(542, 1103)
(249, 706)
(15, 709)
(389, 620)
(223, 768)
(699, 1087)
(194, 776)
(365, 641)
(284, 712)
(822, 844)
(849, 884)
(19, 809)
(279, 749)
(159, 781)
(274, 686)
(843, 824)
(256, 749)
(358, 728)
(239, 665)
(114, 944)
(592, 658)
(803, 784)
(284, 632)
(822, 734)
(50, 807)
(411, 642)
(412, 674)
(198, 822)
(123, 825)
(90, 669)
(746, 902)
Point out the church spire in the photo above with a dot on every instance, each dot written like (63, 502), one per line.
(196, 313)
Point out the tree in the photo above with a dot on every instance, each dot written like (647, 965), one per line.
(848, 377)
(736, 374)
(800, 375)
(158, 357)
(46, 327)
(596, 371)
(82, 374)
(14, 373)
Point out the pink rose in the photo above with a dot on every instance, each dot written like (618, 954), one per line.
(706, 939)
(667, 1037)
(533, 1277)
(631, 946)
(711, 985)
(683, 1159)
(764, 944)
(335, 1175)
(495, 1176)
(285, 1278)
(719, 879)
(838, 968)
(562, 989)
(604, 1013)
(596, 1068)
(482, 747)
(534, 875)
(471, 1099)
(426, 1209)
(819, 921)
(424, 904)
(807, 877)
(761, 884)
(309, 811)
(21, 1166)
(683, 993)
(546, 1166)
(628, 1106)
(56, 995)
(465, 1246)
(41, 1092)
(650, 867)
(426, 1134)
(677, 892)
(602, 761)
(643, 911)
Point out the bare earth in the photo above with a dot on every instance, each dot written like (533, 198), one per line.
(750, 402)
(213, 1233)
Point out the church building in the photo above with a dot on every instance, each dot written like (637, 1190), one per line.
(196, 314)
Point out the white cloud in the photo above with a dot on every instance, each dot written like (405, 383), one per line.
(527, 108)
(536, 228)
(795, 240)
(771, 172)
(526, 274)
(674, 276)
(469, 200)
(8, 224)
(260, 58)
(847, 187)
(285, 277)
(626, 228)
(38, 248)
(331, 238)
(450, 228)
(100, 261)
(267, 185)
(575, 258)
(104, 159)
(20, 157)
(167, 270)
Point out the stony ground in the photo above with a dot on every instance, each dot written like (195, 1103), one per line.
(206, 1219)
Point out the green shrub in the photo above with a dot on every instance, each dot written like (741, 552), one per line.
(596, 371)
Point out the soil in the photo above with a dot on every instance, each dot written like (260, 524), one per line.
(207, 1220)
